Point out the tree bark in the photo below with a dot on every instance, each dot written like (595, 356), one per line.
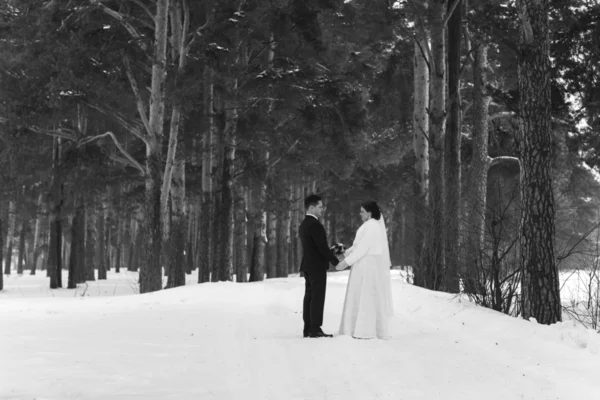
(178, 232)
(91, 236)
(119, 245)
(22, 230)
(227, 182)
(259, 238)
(216, 215)
(102, 247)
(421, 149)
(132, 264)
(241, 234)
(452, 154)
(271, 249)
(283, 245)
(204, 264)
(76, 260)
(56, 197)
(540, 284)
(40, 215)
(55, 251)
(191, 237)
(151, 274)
(478, 175)
(12, 215)
(437, 135)
(175, 240)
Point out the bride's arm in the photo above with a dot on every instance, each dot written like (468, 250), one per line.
(361, 244)
(348, 251)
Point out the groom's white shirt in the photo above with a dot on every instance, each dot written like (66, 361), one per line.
(312, 215)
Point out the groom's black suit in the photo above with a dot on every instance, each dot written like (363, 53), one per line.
(316, 256)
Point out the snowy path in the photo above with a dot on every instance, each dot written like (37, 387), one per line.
(230, 341)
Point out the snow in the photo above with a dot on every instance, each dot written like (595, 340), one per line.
(243, 341)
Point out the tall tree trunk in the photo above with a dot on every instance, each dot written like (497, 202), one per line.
(40, 215)
(119, 245)
(191, 242)
(478, 174)
(271, 249)
(437, 135)
(452, 153)
(140, 254)
(259, 237)
(540, 284)
(204, 264)
(227, 182)
(102, 246)
(421, 149)
(250, 227)
(91, 236)
(288, 230)
(76, 260)
(151, 274)
(133, 246)
(283, 247)
(179, 17)
(55, 251)
(56, 197)
(12, 216)
(217, 176)
(401, 249)
(298, 215)
(241, 234)
(22, 230)
(178, 232)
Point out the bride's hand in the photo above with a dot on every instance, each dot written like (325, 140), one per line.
(342, 265)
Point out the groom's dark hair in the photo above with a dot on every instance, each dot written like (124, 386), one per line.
(373, 208)
(311, 200)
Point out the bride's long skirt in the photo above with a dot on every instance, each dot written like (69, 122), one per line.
(368, 303)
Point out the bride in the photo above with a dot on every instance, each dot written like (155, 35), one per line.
(368, 303)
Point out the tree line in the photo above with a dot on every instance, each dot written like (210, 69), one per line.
(182, 136)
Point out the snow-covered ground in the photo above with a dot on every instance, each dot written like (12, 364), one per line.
(243, 341)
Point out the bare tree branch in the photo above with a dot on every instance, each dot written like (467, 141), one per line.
(450, 12)
(527, 30)
(565, 254)
(128, 126)
(136, 91)
(501, 114)
(276, 161)
(121, 18)
(62, 133)
(198, 32)
(148, 12)
(128, 157)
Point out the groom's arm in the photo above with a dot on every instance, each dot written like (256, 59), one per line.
(319, 237)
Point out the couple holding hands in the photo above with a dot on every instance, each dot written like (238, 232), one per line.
(368, 302)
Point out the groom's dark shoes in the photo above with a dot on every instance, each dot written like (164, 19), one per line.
(318, 333)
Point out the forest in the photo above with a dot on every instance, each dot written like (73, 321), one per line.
(178, 137)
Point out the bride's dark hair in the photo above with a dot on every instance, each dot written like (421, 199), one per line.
(373, 208)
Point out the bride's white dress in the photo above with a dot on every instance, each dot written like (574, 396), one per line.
(368, 303)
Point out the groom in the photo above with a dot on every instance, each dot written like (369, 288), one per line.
(316, 256)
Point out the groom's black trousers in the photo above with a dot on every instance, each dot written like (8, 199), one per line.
(314, 299)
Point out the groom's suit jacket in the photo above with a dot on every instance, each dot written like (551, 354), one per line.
(316, 254)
